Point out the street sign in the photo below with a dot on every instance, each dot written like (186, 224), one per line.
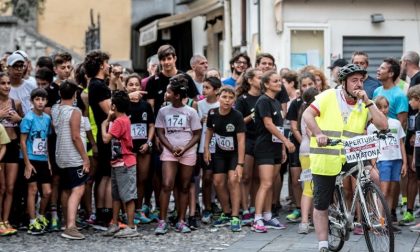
(148, 34)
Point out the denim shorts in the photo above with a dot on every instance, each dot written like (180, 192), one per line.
(390, 170)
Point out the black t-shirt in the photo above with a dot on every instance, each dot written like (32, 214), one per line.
(417, 149)
(415, 80)
(246, 105)
(282, 95)
(293, 114)
(156, 88)
(53, 91)
(141, 115)
(98, 92)
(265, 147)
(225, 128)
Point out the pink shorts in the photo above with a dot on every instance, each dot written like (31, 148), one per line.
(189, 158)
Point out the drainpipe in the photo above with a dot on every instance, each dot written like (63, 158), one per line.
(227, 45)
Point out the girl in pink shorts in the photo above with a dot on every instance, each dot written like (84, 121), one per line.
(178, 128)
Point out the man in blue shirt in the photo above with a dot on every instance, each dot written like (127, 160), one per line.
(238, 65)
(370, 84)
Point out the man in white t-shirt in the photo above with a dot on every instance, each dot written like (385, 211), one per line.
(21, 89)
(199, 65)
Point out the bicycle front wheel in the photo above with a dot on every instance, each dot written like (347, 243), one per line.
(378, 230)
(336, 222)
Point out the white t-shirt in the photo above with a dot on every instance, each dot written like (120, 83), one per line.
(390, 148)
(203, 110)
(199, 87)
(23, 94)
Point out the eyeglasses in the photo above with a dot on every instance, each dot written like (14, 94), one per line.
(241, 62)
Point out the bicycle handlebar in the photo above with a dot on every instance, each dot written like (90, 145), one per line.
(381, 134)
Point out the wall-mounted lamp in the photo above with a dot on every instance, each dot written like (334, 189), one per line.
(377, 18)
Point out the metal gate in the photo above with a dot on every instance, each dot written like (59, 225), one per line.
(378, 48)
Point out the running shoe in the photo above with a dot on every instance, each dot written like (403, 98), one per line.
(9, 227)
(92, 219)
(215, 209)
(303, 228)
(259, 227)
(43, 221)
(247, 218)
(55, 226)
(193, 222)
(112, 229)
(127, 232)
(294, 216)
(162, 228)
(181, 227)
(207, 215)
(145, 209)
(407, 220)
(323, 249)
(3, 230)
(141, 218)
(415, 228)
(235, 224)
(222, 221)
(154, 216)
(403, 208)
(36, 228)
(72, 234)
(274, 223)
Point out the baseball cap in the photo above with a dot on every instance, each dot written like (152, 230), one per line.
(13, 58)
(23, 53)
(338, 63)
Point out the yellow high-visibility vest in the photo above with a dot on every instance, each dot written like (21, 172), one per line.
(328, 160)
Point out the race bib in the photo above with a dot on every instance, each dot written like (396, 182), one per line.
(274, 138)
(390, 143)
(139, 131)
(39, 147)
(411, 122)
(417, 140)
(212, 146)
(225, 143)
(176, 121)
(305, 175)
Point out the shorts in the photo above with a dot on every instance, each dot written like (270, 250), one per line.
(42, 175)
(225, 163)
(72, 177)
(267, 161)
(308, 186)
(189, 159)
(203, 165)
(390, 170)
(124, 183)
(323, 191)
(249, 146)
(409, 149)
(12, 152)
(294, 158)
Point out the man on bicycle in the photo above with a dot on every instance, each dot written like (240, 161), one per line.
(336, 114)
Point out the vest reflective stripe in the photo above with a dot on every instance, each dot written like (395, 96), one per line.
(326, 151)
(350, 134)
(328, 160)
(331, 133)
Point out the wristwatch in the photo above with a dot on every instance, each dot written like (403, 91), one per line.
(150, 144)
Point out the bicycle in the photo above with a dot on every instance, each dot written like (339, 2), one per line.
(376, 217)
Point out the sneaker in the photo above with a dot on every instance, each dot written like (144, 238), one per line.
(43, 221)
(145, 209)
(294, 216)
(154, 216)
(274, 223)
(141, 217)
(72, 234)
(215, 209)
(182, 227)
(415, 228)
(235, 224)
(162, 228)
(120, 224)
(55, 226)
(324, 249)
(358, 230)
(247, 218)
(36, 228)
(193, 222)
(207, 215)
(91, 220)
(11, 230)
(112, 229)
(3, 230)
(407, 220)
(127, 232)
(403, 208)
(259, 227)
(222, 221)
(81, 224)
(303, 228)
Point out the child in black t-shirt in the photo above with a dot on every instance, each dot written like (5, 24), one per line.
(228, 126)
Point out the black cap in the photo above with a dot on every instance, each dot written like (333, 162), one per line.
(338, 63)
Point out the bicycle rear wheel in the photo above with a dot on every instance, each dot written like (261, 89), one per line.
(379, 235)
(336, 222)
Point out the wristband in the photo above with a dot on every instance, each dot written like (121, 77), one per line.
(368, 105)
(241, 164)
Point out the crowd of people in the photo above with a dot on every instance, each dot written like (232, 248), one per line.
(95, 144)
